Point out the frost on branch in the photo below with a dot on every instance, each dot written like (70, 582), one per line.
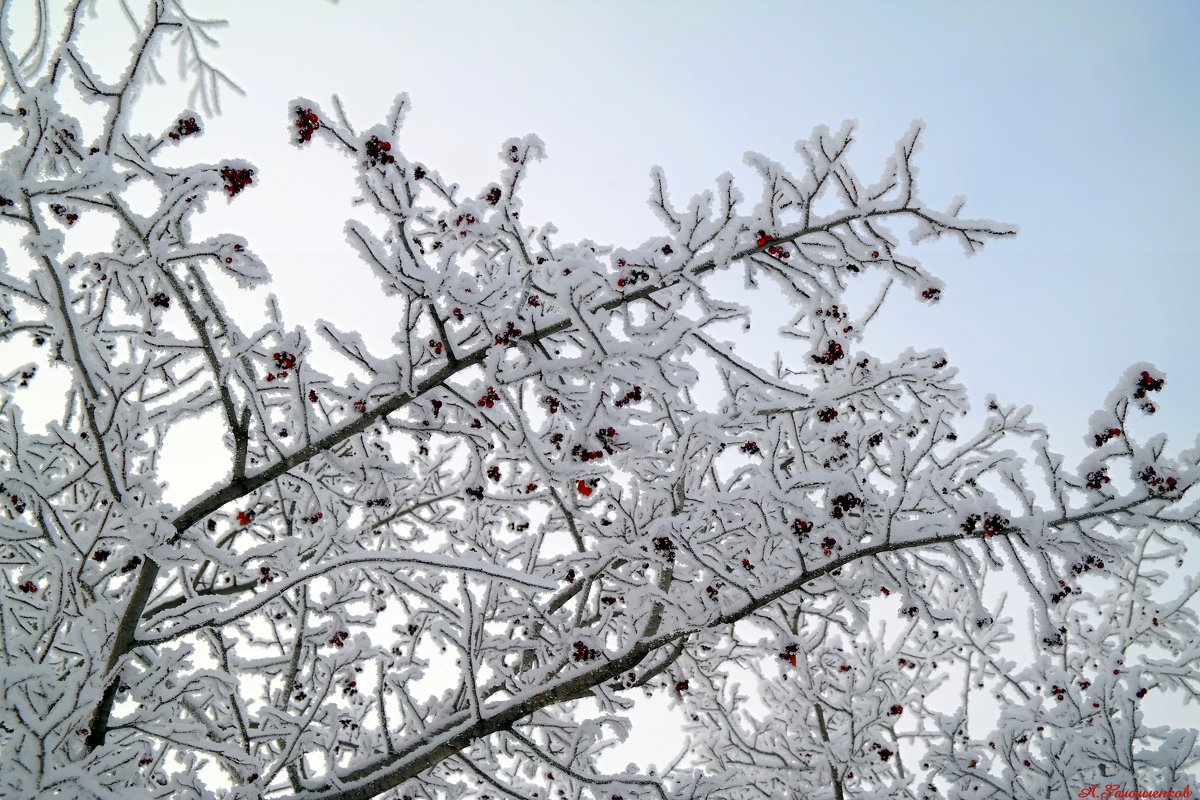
(408, 578)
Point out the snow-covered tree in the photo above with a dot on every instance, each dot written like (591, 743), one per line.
(453, 572)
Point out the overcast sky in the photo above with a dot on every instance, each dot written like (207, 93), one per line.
(1077, 121)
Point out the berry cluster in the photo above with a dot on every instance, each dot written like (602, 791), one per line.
(184, 127)
(437, 406)
(681, 686)
(312, 396)
(1056, 640)
(101, 555)
(65, 214)
(360, 406)
(284, 361)
(382, 502)
(419, 172)
(833, 311)
(993, 524)
(609, 600)
(789, 654)
(1059, 692)
(1147, 383)
(664, 547)
(843, 503)
(458, 314)
(906, 663)
(493, 196)
(1087, 564)
(713, 592)
(585, 653)
(556, 439)
(237, 248)
(746, 565)
(875, 440)
(833, 353)
(5, 202)
(476, 493)
(1155, 482)
(530, 488)
(585, 487)
(160, 300)
(489, 398)
(350, 688)
(912, 611)
(494, 472)
(306, 123)
(586, 455)
(265, 575)
(931, 293)
(552, 403)
(244, 518)
(827, 415)
(458, 221)
(1102, 438)
(761, 239)
(510, 332)
(828, 544)
(605, 435)
(27, 376)
(666, 248)
(896, 710)
(571, 575)
(28, 587)
(750, 447)
(801, 527)
(377, 152)
(884, 753)
(131, 564)
(313, 519)
(235, 181)
(1097, 479)
(436, 345)
(632, 396)
(635, 274)
(1063, 592)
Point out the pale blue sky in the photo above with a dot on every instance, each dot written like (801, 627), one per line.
(1077, 121)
